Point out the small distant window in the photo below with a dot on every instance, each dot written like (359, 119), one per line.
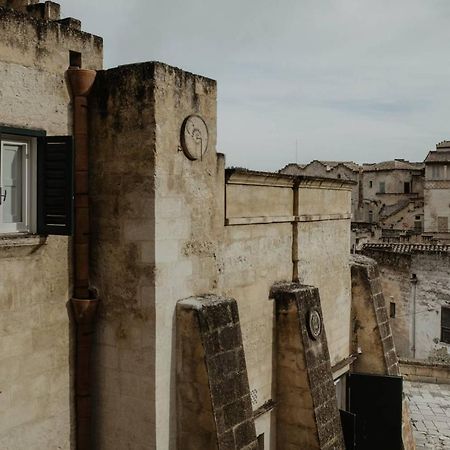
(392, 310)
(370, 216)
(382, 187)
(370, 184)
(445, 324)
(261, 442)
(339, 175)
(417, 217)
(407, 187)
(436, 172)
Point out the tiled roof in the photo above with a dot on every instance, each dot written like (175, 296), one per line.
(396, 164)
(349, 164)
(407, 248)
(292, 166)
(438, 156)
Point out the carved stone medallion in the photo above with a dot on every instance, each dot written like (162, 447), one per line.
(194, 137)
(314, 324)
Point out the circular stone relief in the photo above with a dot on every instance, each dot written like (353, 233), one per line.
(314, 323)
(194, 137)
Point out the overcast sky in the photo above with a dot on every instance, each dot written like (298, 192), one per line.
(362, 80)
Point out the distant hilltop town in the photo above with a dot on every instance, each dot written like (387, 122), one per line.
(395, 199)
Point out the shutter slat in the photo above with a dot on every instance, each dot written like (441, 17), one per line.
(55, 185)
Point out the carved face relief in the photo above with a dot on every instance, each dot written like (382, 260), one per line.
(314, 324)
(194, 137)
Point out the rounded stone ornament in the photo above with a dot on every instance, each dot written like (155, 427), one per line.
(314, 324)
(194, 137)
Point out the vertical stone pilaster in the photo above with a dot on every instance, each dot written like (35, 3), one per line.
(307, 412)
(213, 395)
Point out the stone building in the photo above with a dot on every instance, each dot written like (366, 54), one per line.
(415, 279)
(393, 194)
(387, 197)
(437, 192)
(151, 298)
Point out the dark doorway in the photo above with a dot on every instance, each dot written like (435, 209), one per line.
(377, 403)
(348, 421)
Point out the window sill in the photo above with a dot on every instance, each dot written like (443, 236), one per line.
(11, 240)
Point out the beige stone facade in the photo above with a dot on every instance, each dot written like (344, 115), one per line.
(36, 375)
(186, 259)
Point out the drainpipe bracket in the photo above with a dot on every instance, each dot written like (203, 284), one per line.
(85, 310)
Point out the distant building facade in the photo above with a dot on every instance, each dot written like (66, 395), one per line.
(415, 280)
(393, 194)
(437, 192)
(387, 197)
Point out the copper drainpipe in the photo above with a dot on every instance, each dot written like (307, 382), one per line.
(84, 305)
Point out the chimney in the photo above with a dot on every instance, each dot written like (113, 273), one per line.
(46, 11)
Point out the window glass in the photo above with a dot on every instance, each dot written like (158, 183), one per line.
(382, 187)
(11, 182)
(436, 172)
(15, 183)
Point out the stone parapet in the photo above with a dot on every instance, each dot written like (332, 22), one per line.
(425, 371)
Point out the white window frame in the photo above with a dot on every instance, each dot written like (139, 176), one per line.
(29, 180)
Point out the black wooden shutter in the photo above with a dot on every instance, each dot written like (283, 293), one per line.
(55, 185)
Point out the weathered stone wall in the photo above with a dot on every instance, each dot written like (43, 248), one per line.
(34, 56)
(323, 241)
(430, 293)
(35, 336)
(123, 255)
(395, 272)
(310, 232)
(323, 249)
(254, 258)
(189, 221)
